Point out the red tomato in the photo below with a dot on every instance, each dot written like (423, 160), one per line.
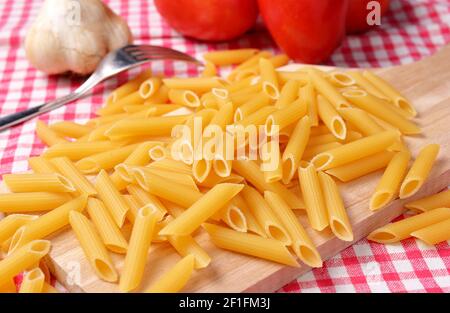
(307, 30)
(212, 20)
(358, 12)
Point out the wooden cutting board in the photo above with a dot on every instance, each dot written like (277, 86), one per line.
(425, 83)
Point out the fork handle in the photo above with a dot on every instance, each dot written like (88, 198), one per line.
(22, 116)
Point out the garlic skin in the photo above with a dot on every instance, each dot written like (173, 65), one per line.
(74, 36)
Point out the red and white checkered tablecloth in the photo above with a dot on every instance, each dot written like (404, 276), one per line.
(412, 30)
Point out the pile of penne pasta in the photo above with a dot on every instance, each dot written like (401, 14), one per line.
(117, 184)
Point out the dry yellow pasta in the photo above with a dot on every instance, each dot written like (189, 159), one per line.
(176, 278)
(400, 230)
(117, 107)
(308, 94)
(365, 84)
(434, 233)
(104, 160)
(288, 94)
(313, 195)
(270, 164)
(12, 222)
(234, 217)
(269, 78)
(70, 129)
(265, 248)
(33, 281)
(361, 120)
(229, 57)
(149, 87)
(258, 117)
(327, 89)
(47, 135)
(254, 104)
(71, 172)
(129, 87)
(31, 201)
(251, 62)
(389, 185)
(145, 198)
(38, 182)
(340, 79)
(337, 214)
(419, 171)
(301, 76)
(41, 165)
(439, 200)
(93, 247)
(201, 169)
(78, 150)
(198, 85)
(184, 97)
(209, 70)
(286, 116)
(312, 151)
(331, 118)
(252, 224)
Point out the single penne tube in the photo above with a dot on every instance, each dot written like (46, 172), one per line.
(109, 232)
(288, 94)
(140, 241)
(224, 116)
(41, 165)
(98, 134)
(240, 96)
(340, 79)
(70, 129)
(47, 223)
(103, 120)
(251, 172)
(38, 182)
(129, 87)
(319, 130)
(31, 201)
(389, 185)
(141, 177)
(201, 169)
(77, 150)
(285, 117)
(265, 216)
(313, 196)
(269, 78)
(152, 109)
(214, 179)
(12, 222)
(419, 171)
(175, 278)
(161, 96)
(301, 243)
(111, 197)
(149, 87)
(329, 138)
(438, 200)
(185, 98)
(47, 135)
(27, 256)
(117, 107)
(252, 224)
(365, 84)
(229, 57)
(337, 214)
(198, 85)
(235, 86)
(221, 166)
(326, 89)
(361, 167)
(435, 233)
(71, 172)
(301, 76)
(209, 70)
(395, 232)
(249, 244)
(381, 110)
(234, 218)
(361, 120)
(390, 92)
(354, 150)
(311, 151)
(104, 160)
(93, 247)
(201, 210)
(279, 60)
(255, 103)
(145, 198)
(33, 281)
(308, 94)
(271, 165)
(251, 62)
(258, 117)
(331, 118)
(134, 205)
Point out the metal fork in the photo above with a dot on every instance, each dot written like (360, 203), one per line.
(114, 62)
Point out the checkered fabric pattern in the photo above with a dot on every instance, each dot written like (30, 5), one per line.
(412, 30)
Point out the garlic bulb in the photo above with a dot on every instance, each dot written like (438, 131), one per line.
(74, 35)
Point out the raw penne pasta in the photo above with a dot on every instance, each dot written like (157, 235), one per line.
(214, 179)
(33, 281)
(38, 182)
(439, 200)
(149, 87)
(288, 94)
(27, 256)
(117, 107)
(301, 243)
(326, 89)
(224, 116)
(269, 78)
(129, 87)
(319, 130)
(185, 98)
(221, 166)
(331, 118)
(176, 278)
(354, 150)
(361, 120)
(313, 196)
(77, 150)
(201, 169)
(234, 218)
(201, 210)
(109, 232)
(301, 76)
(93, 247)
(285, 117)
(141, 177)
(31, 201)
(395, 232)
(111, 197)
(340, 79)
(71, 172)
(253, 245)
(381, 110)
(419, 171)
(198, 85)
(140, 241)
(337, 214)
(365, 84)
(252, 224)
(265, 216)
(308, 94)
(47, 135)
(312, 151)
(279, 60)
(47, 223)
(70, 129)
(329, 138)
(104, 160)
(12, 222)
(250, 171)
(254, 104)
(250, 63)
(257, 118)
(41, 165)
(229, 57)
(389, 185)
(145, 198)
(390, 92)
(361, 167)
(209, 70)
(434, 233)
(271, 165)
